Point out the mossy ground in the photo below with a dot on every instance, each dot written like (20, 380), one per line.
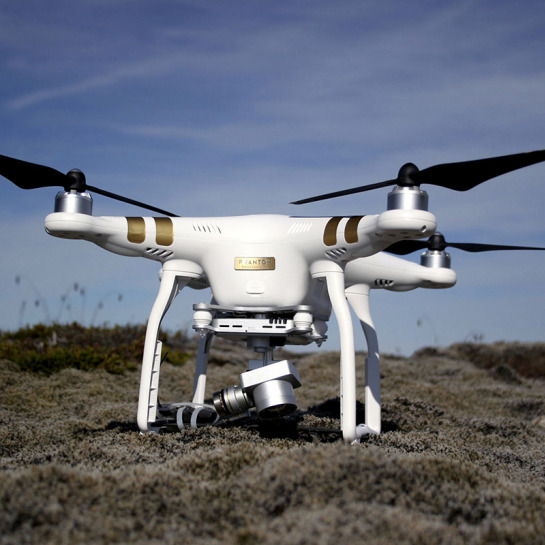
(461, 458)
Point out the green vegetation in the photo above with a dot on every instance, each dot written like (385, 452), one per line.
(51, 348)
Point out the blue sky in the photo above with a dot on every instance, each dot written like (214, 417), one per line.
(213, 108)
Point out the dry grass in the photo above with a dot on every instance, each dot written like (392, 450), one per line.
(507, 359)
(461, 459)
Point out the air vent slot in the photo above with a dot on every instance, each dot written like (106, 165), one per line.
(300, 227)
(199, 283)
(279, 322)
(157, 252)
(383, 283)
(336, 253)
(206, 228)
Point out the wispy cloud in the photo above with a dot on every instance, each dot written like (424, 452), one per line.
(115, 75)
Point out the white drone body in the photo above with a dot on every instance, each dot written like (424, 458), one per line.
(272, 278)
(274, 281)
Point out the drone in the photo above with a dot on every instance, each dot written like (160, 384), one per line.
(275, 280)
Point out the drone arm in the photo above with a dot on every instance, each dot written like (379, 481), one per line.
(176, 274)
(107, 232)
(334, 276)
(385, 271)
(396, 224)
(358, 297)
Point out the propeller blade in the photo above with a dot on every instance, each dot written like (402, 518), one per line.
(404, 247)
(33, 176)
(130, 201)
(468, 174)
(474, 247)
(30, 175)
(460, 176)
(347, 192)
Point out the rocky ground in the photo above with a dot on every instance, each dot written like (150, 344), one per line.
(461, 459)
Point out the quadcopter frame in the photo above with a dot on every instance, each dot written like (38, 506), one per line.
(297, 255)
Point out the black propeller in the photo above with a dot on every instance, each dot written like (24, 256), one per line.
(32, 176)
(438, 243)
(458, 176)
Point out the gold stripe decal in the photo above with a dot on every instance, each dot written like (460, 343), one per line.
(136, 230)
(164, 231)
(351, 229)
(330, 231)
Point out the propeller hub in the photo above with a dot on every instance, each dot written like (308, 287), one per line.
(75, 181)
(437, 242)
(435, 256)
(407, 175)
(407, 194)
